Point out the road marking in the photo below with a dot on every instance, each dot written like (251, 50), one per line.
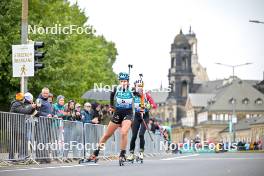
(179, 157)
(52, 167)
(190, 159)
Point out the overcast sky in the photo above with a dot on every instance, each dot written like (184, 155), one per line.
(143, 31)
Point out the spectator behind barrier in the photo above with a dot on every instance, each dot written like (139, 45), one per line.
(97, 113)
(87, 114)
(22, 105)
(70, 110)
(105, 115)
(44, 106)
(58, 108)
(50, 99)
(77, 112)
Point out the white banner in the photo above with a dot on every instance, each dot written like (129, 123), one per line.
(23, 60)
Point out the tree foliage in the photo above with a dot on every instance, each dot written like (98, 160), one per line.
(73, 62)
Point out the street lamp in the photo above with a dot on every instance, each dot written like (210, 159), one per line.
(231, 129)
(233, 66)
(256, 21)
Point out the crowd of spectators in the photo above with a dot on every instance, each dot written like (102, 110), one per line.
(46, 105)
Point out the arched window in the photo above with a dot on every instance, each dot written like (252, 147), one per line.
(184, 89)
(259, 101)
(184, 63)
(245, 101)
(232, 100)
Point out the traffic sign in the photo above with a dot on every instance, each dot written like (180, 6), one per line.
(23, 60)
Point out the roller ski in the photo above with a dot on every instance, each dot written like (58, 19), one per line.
(91, 159)
(122, 160)
(140, 158)
(131, 158)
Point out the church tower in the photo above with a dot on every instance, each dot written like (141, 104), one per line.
(180, 73)
(200, 74)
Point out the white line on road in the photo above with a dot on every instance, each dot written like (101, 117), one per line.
(178, 157)
(189, 159)
(40, 168)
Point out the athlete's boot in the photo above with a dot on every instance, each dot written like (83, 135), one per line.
(141, 155)
(94, 156)
(122, 157)
(131, 156)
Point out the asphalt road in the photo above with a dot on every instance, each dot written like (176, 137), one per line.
(233, 164)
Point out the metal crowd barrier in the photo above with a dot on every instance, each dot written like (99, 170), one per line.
(92, 135)
(13, 137)
(33, 139)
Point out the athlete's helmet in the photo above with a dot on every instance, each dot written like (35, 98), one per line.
(139, 83)
(123, 76)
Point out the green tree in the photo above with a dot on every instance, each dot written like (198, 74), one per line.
(73, 62)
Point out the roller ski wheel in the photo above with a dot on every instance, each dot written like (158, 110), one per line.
(81, 161)
(122, 160)
(89, 160)
(139, 160)
(130, 161)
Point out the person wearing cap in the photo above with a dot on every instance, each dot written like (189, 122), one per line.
(22, 105)
(141, 119)
(19, 105)
(121, 100)
(29, 102)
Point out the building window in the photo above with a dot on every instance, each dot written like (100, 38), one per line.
(259, 101)
(232, 101)
(213, 116)
(221, 117)
(245, 101)
(217, 117)
(184, 89)
(248, 116)
(184, 63)
(229, 116)
(226, 117)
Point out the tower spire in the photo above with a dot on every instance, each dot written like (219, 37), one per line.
(181, 31)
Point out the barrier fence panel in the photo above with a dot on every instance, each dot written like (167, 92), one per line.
(117, 136)
(92, 135)
(73, 139)
(13, 144)
(48, 138)
(110, 145)
(42, 138)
